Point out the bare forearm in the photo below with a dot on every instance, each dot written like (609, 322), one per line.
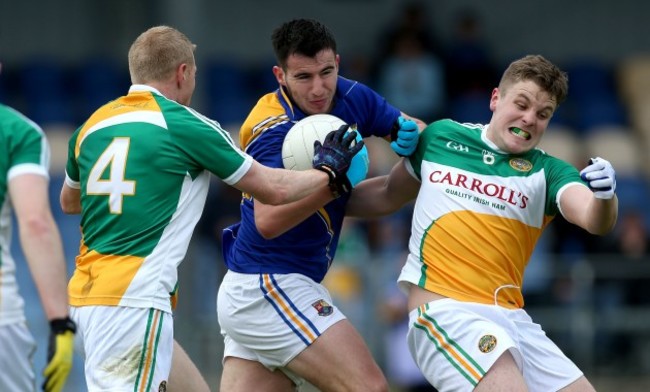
(602, 216)
(383, 195)
(370, 199)
(272, 221)
(289, 186)
(278, 186)
(41, 244)
(580, 207)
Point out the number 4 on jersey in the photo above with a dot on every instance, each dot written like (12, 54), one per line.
(116, 187)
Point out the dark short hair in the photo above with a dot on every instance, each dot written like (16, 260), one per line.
(541, 71)
(306, 37)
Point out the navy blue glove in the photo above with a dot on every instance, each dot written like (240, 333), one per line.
(404, 137)
(333, 157)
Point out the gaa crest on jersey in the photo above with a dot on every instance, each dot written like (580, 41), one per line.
(487, 343)
(162, 387)
(520, 164)
(322, 307)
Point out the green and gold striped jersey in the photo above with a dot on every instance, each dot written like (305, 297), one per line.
(24, 151)
(142, 164)
(479, 213)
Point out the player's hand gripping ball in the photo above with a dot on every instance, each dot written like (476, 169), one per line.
(334, 157)
(298, 146)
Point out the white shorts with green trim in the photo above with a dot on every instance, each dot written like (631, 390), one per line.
(17, 348)
(124, 349)
(455, 343)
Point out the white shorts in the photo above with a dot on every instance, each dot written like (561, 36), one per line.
(455, 344)
(271, 318)
(124, 349)
(17, 349)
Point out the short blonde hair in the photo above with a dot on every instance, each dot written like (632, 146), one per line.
(156, 54)
(536, 68)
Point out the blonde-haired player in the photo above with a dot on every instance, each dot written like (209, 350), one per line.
(484, 196)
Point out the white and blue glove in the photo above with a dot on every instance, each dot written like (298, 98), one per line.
(404, 137)
(600, 177)
(358, 170)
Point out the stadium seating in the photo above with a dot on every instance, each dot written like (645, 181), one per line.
(99, 80)
(618, 145)
(593, 99)
(471, 108)
(45, 87)
(58, 136)
(563, 142)
(228, 92)
(599, 111)
(261, 78)
(589, 78)
(633, 78)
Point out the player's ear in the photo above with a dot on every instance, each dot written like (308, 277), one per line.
(181, 74)
(279, 75)
(494, 98)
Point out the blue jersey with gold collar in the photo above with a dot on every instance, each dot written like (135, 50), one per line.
(309, 247)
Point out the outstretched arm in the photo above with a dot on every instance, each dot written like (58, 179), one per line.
(580, 207)
(595, 209)
(279, 186)
(383, 195)
(332, 158)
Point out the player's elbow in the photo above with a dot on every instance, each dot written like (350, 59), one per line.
(273, 197)
(70, 200)
(70, 209)
(267, 229)
(268, 234)
(36, 226)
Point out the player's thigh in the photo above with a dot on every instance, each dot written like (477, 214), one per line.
(456, 343)
(546, 367)
(339, 360)
(504, 375)
(125, 348)
(184, 375)
(272, 318)
(17, 347)
(242, 375)
(580, 385)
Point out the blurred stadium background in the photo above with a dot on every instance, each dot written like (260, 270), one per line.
(592, 295)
